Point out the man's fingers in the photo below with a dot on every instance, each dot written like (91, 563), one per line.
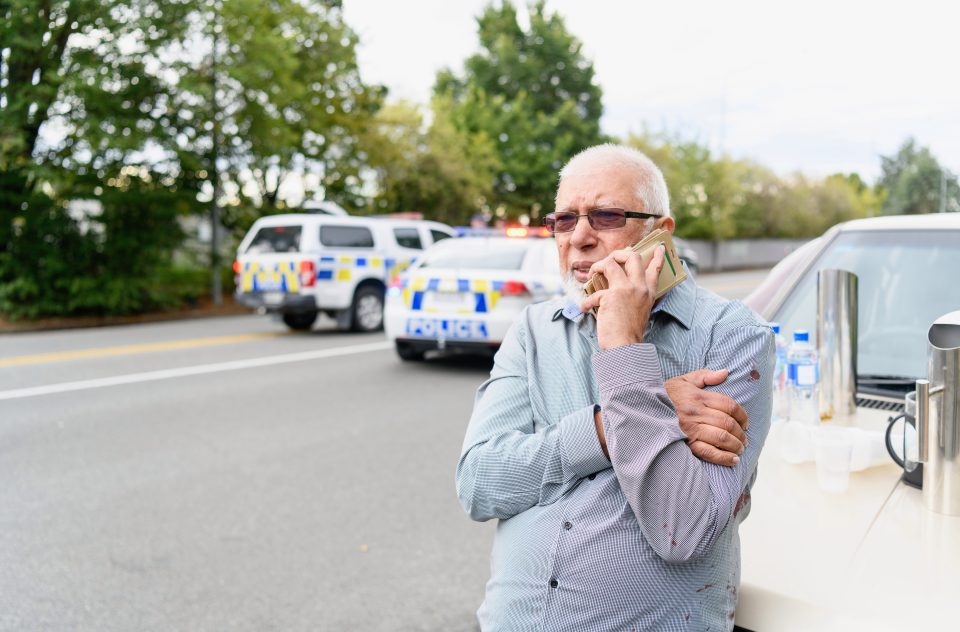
(632, 264)
(653, 268)
(592, 301)
(719, 437)
(612, 270)
(712, 378)
(726, 423)
(705, 377)
(726, 405)
(711, 454)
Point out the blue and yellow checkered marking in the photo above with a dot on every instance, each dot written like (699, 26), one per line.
(343, 267)
(486, 294)
(284, 276)
(275, 277)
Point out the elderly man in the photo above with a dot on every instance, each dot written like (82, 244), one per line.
(618, 482)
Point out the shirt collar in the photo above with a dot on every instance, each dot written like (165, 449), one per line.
(679, 302)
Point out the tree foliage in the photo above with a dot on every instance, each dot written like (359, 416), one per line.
(142, 106)
(532, 93)
(916, 183)
(440, 171)
(83, 114)
(279, 95)
(718, 198)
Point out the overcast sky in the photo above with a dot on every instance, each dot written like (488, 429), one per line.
(816, 86)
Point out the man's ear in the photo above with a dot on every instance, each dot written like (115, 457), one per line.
(666, 223)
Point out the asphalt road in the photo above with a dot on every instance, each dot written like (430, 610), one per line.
(222, 474)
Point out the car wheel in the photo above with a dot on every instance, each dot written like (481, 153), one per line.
(407, 353)
(367, 309)
(300, 321)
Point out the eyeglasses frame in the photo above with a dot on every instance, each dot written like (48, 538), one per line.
(626, 215)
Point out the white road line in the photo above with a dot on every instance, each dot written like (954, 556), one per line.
(201, 369)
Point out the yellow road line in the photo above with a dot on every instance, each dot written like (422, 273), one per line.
(79, 354)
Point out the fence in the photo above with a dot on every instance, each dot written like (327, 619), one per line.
(739, 254)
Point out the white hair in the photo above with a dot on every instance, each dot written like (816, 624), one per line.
(651, 187)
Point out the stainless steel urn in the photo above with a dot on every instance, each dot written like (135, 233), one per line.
(938, 417)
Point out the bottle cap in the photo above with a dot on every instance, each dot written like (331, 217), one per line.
(775, 327)
(801, 335)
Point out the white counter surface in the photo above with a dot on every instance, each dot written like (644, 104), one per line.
(870, 558)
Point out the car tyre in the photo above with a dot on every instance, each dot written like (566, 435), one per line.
(367, 310)
(407, 353)
(300, 321)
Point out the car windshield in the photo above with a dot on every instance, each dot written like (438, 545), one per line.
(485, 255)
(903, 288)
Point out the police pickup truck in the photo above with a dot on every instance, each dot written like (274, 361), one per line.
(298, 265)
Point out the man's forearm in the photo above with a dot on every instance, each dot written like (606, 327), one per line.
(509, 471)
(680, 502)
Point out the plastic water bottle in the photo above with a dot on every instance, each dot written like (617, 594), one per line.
(781, 397)
(803, 376)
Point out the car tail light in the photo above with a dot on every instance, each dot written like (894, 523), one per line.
(236, 266)
(395, 283)
(514, 288)
(308, 273)
(517, 231)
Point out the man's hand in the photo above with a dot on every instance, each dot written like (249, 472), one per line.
(715, 424)
(624, 307)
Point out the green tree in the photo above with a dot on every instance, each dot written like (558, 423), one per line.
(81, 70)
(441, 171)
(277, 95)
(82, 98)
(723, 198)
(114, 101)
(703, 190)
(916, 183)
(532, 93)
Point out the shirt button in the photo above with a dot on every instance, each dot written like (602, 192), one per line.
(592, 476)
(567, 525)
(554, 583)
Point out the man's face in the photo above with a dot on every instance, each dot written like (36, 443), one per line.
(610, 187)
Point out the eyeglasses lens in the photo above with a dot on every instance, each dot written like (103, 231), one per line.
(600, 219)
(604, 219)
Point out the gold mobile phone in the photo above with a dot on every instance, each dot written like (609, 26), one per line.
(671, 274)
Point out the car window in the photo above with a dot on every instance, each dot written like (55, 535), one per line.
(759, 299)
(346, 236)
(477, 255)
(438, 235)
(408, 238)
(903, 288)
(275, 239)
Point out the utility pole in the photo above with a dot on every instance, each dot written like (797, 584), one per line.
(216, 289)
(943, 189)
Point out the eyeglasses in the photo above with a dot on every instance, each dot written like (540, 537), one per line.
(599, 218)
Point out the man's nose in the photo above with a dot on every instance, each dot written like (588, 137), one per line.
(583, 236)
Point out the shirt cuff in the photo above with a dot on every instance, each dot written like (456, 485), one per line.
(580, 448)
(629, 364)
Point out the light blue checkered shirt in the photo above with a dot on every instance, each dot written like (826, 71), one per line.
(647, 540)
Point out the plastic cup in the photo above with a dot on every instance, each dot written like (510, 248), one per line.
(833, 450)
(795, 442)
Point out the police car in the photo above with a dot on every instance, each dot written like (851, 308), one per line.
(297, 265)
(463, 294)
